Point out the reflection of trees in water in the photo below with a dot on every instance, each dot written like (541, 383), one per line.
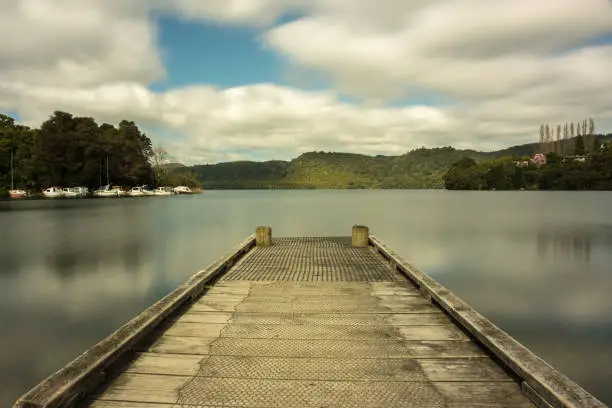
(67, 262)
(9, 263)
(572, 244)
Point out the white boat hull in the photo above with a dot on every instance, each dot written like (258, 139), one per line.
(183, 190)
(18, 194)
(105, 193)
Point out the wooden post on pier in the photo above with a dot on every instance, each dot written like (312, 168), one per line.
(361, 236)
(263, 236)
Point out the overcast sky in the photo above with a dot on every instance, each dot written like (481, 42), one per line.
(218, 80)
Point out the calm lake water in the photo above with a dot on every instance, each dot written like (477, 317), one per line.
(538, 264)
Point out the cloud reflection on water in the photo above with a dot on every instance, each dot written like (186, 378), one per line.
(71, 276)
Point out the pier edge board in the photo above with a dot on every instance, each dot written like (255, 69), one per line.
(544, 382)
(85, 372)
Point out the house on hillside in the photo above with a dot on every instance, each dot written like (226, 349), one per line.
(539, 159)
(521, 163)
(578, 159)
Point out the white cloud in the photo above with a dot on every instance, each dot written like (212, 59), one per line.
(465, 48)
(76, 43)
(502, 68)
(256, 12)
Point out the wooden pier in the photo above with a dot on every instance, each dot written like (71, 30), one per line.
(308, 322)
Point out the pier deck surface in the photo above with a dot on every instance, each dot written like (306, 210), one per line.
(311, 322)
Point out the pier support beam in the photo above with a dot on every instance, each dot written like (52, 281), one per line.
(361, 236)
(263, 236)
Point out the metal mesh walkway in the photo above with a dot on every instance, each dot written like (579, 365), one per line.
(312, 259)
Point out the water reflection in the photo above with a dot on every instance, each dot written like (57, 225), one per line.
(71, 272)
(572, 244)
(68, 261)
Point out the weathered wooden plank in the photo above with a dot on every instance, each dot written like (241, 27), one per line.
(145, 388)
(180, 329)
(304, 332)
(363, 298)
(131, 404)
(463, 369)
(213, 300)
(315, 348)
(311, 393)
(227, 291)
(224, 298)
(321, 289)
(218, 307)
(205, 317)
(448, 332)
(337, 319)
(165, 364)
(481, 369)
(413, 305)
(478, 394)
(181, 345)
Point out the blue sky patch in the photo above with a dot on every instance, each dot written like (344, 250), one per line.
(204, 53)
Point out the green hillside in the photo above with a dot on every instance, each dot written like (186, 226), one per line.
(420, 168)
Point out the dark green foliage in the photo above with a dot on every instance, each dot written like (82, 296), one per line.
(464, 175)
(183, 178)
(518, 178)
(499, 177)
(595, 173)
(69, 151)
(579, 147)
(553, 158)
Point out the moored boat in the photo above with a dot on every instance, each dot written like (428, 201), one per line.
(182, 190)
(13, 192)
(119, 191)
(147, 191)
(80, 191)
(53, 192)
(136, 192)
(18, 194)
(68, 193)
(163, 191)
(105, 191)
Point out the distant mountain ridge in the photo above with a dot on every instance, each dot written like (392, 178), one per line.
(420, 168)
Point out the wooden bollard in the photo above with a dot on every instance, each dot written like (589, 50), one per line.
(263, 236)
(361, 236)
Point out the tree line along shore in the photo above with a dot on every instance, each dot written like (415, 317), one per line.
(69, 150)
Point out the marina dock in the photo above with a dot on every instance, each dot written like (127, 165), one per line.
(307, 322)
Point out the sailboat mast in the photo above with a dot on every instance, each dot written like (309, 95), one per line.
(107, 180)
(12, 177)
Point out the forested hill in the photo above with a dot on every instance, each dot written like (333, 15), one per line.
(69, 150)
(421, 168)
